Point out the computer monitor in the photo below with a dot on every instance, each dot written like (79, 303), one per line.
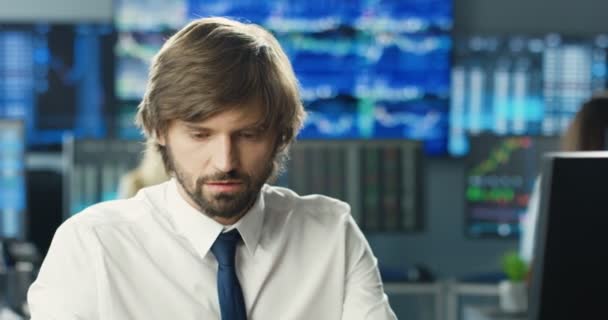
(12, 179)
(570, 272)
(57, 78)
(367, 70)
(94, 168)
(521, 84)
(380, 179)
(500, 175)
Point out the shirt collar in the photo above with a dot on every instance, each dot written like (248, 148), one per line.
(202, 230)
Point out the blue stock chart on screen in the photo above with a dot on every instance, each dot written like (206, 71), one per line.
(521, 85)
(500, 175)
(12, 179)
(367, 69)
(53, 77)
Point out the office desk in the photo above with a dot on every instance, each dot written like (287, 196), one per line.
(434, 289)
(490, 313)
(455, 290)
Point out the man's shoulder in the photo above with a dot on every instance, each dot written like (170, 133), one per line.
(285, 200)
(121, 211)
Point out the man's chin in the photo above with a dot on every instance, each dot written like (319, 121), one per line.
(221, 202)
(226, 212)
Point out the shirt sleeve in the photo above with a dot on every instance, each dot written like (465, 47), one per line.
(364, 294)
(65, 288)
(528, 224)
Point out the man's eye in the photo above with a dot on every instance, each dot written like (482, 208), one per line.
(199, 135)
(250, 134)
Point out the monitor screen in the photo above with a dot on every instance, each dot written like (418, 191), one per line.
(381, 180)
(94, 170)
(569, 276)
(521, 85)
(315, 15)
(56, 78)
(373, 86)
(134, 52)
(366, 71)
(12, 179)
(500, 175)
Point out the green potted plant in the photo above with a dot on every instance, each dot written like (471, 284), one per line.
(513, 292)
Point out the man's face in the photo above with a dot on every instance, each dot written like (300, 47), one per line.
(221, 162)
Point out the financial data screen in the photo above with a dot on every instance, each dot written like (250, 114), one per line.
(12, 179)
(521, 85)
(500, 175)
(367, 70)
(56, 78)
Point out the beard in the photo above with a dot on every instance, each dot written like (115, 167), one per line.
(222, 204)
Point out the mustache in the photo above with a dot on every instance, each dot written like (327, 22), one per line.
(219, 176)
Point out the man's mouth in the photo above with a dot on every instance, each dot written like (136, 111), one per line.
(224, 185)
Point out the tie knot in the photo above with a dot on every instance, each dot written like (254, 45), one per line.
(224, 247)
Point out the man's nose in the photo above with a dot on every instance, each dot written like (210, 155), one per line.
(225, 155)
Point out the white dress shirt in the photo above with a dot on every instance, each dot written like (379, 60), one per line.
(149, 258)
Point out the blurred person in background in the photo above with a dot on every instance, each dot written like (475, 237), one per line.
(149, 172)
(586, 132)
(222, 107)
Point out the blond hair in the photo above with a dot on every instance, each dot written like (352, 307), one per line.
(214, 64)
(149, 172)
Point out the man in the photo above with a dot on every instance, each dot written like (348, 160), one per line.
(222, 107)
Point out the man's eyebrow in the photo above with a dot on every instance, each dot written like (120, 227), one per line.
(254, 126)
(194, 126)
(250, 126)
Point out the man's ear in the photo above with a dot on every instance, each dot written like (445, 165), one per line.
(161, 138)
(280, 144)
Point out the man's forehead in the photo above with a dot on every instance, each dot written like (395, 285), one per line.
(241, 115)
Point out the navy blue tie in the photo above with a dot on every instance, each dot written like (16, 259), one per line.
(229, 290)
